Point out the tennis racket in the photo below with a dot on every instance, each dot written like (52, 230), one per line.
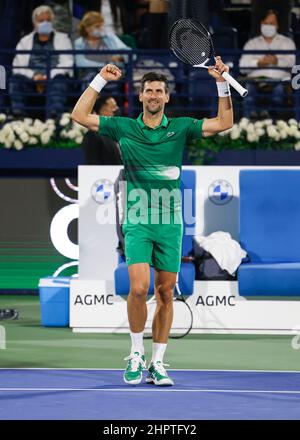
(192, 44)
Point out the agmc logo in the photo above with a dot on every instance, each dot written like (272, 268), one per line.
(220, 192)
(103, 191)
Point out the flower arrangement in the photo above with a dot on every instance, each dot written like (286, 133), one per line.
(244, 135)
(247, 135)
(29, 133)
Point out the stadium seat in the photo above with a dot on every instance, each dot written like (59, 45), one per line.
(187, 270)
(225, 37)
(269, 232)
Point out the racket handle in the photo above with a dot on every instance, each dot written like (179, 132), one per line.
(237, 86)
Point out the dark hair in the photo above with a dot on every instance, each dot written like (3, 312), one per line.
(100, 103)
(270, 12)
(153, 76)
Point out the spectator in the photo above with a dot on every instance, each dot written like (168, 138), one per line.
(93, 37)
(158, 19)
(30, 70)
(101, 150)
(272, 70)
(111, 11)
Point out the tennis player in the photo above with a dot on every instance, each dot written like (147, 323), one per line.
(152, 147)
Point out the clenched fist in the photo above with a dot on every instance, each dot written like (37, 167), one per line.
(110, 72)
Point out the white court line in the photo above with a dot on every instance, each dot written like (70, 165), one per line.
(131, 390)
(169, 369)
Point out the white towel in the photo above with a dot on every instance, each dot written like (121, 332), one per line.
(226, 251)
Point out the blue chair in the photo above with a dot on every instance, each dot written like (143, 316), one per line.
(269, 232)
(187, 271)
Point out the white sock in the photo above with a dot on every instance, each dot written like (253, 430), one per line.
(158, 351)
(137, 343)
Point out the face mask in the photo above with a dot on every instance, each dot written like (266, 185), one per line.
(268, 30)
(97, 33)
(45, 27)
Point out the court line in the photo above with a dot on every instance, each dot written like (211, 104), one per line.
(155, 390)
(169, 369)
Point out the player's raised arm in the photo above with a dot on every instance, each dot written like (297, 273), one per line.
(224, 119)
(82, 112)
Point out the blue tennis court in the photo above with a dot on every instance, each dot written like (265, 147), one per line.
(102, 395)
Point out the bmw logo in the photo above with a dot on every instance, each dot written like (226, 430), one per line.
(103, 191)
(220, 192)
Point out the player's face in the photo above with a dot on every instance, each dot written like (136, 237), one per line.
(154, 96)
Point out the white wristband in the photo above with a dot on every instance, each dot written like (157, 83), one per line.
(223, 89)
(98, 83)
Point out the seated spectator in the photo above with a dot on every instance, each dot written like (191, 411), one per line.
(112, 11)
(266, 78)
(101, 150)
(30, 70)
(93, 37)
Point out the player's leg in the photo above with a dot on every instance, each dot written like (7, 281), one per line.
(162, 322)
(163, 317)
(139, 275)
(166, 259)
(138, 250)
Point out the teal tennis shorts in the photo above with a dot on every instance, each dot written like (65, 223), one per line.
(156, 244)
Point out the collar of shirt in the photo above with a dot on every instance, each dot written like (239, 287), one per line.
(164, 122)
(277, 41)
(43, 43)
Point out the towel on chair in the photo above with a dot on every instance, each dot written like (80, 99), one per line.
(226, 251)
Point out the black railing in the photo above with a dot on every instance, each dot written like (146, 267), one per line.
(192, 90)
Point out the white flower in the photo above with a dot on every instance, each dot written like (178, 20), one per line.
(272, 132)
(2, 117)
(7, 143)
(64, 121)
(260, 132)
(267, 122)
(292, 122)
(283, 134)
(28, 121)
(18, 145)
(250, 128)
(24, 137)
(243, 122)
(77, 126)
(235, 133)
(11, 137)
(281, 124)
(33, 141)
(71, 134)
(258, 124)
(297, 146)
(50, 122)
(251, 137)
(45, 138)
(39, 127)
(293, 131)
(66, 114)
(78, 139)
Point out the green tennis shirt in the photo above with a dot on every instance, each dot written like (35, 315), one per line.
(152, 159)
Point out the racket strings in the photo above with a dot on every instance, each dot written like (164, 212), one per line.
(189, 43)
